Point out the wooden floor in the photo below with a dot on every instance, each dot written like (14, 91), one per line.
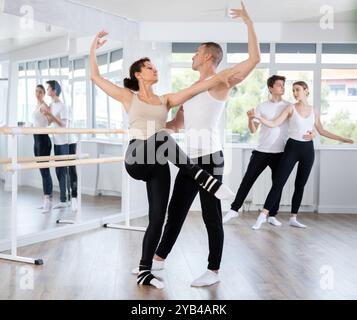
(272, 263)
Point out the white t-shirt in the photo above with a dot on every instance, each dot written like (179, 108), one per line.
(202, 116)
(60, 111)
(272, 140)
(72, 138)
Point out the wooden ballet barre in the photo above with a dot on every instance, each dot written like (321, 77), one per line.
(60, 164)
(28, 131)
(46, 158)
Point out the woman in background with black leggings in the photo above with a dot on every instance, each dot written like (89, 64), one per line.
(299, 149)
(151, 146)
(43, 145)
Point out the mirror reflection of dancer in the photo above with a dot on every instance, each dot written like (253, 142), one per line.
(302, 119)
(43, 145)
(148, 139)
(200, 116)
(59, 116)
(270, 147)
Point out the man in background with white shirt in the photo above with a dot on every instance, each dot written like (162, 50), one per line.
(269, 150)
(59, 116)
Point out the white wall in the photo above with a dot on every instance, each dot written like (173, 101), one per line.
(237, 32)
(338, 181)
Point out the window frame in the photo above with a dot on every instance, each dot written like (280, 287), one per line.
(273, 67)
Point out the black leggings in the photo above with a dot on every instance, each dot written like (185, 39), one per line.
(147, 160)
(184, 193)
(42, 147)
(67, 176)
(257, 164)
(295, 151)
(72, 172)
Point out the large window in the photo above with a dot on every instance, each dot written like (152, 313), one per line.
(333, 53)
(298, 75)
(335, 96)
(38, 72)
(295, 53)
(108, 112)
(79, 92)
(295, 61)
(237, 52)
(79, 104)
(182, 78)
(246, 96)
(87, 109)
(338, 103)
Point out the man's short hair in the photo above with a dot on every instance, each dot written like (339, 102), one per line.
(271, 81)
(55, 86)
(215, 50)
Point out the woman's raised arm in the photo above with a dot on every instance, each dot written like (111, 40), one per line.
(123, 95)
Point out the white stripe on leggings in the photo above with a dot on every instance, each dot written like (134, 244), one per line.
(208, 182)
(215, 181)
(198, 174)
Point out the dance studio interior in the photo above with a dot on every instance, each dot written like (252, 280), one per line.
(76, 220)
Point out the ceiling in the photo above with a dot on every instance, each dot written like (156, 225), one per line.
(14, 37)
(214, 10)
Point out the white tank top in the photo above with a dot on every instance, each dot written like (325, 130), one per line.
(202, 116)
(39, 119)
(299, 126)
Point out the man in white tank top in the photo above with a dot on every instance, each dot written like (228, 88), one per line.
(201, 117)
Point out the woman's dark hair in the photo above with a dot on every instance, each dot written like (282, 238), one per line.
(132, 83)
(40, 86)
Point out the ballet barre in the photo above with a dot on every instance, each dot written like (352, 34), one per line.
(27, 131)
(46, 158)
(15, 164)
(59, 164)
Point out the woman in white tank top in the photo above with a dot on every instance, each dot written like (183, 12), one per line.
(302, 119)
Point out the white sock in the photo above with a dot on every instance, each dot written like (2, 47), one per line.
(262, 218)
(74, 204)
(274, 221)
(145, 277)
(156, 266)
(60, 205)
(224, 192)
(157, 283)
(294, 223)
(47, 204)
(207, 279)
(230, 215)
